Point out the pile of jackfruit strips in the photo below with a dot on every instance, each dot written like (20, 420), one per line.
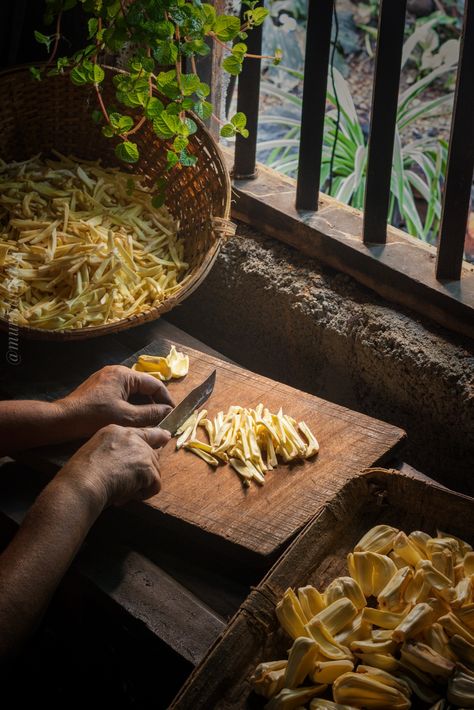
(82, 245)
(398, 630)
(250, 440)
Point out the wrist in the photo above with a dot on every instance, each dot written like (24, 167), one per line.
(86, 493)
(72, 422)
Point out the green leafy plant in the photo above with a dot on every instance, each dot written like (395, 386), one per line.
(418, 165)
(161, 83)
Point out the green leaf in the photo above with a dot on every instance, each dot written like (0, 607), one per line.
(208, 13)
(158, 200)
(120, 123)
(92, 27)
(171, 159)
(164, 29)
(97, 116)
(256, 16)
(79, 76)
(127, 151)
(108, 131)
(226, 27)
(153, 108)
(239, 120)
(98, 74)
(35, 73)
(239, 49)
(161, 183)
(196, 46)
(203, 109)
(191, 126)
(186, 159)
(203, 90)
(166, 52)
(232, 65)
(180, 143)
(189, 83)
(44, 39)
(227, 130)
(166, 125)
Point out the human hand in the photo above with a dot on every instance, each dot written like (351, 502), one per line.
(103, 399)
(117, 464)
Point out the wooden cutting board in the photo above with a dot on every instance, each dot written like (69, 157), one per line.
(262, 519)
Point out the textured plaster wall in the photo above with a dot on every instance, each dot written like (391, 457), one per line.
(282, 314)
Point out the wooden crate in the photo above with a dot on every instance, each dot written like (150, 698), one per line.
(317, 556)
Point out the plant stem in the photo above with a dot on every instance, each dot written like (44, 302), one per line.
(56, 39)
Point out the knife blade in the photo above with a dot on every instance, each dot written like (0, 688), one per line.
(186, 407)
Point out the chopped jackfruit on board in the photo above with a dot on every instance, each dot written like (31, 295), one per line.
(82, 245)
(386, 637)
(174, 365)
(250, 440)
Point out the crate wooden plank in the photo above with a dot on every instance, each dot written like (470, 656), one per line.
(316, 557)
(261, 520)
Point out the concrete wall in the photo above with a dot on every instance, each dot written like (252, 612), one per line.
(284, 315)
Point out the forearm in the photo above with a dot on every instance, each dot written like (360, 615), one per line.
(39, 555)
(26, 424)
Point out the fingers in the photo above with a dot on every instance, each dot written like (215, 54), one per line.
(143, 415)
(154, 436)
(143, 383)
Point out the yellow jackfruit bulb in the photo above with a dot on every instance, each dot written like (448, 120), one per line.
(384, 619)
(465, 615)
(421, 616)
(321, 704)
(407, 549)
(384, 661)
(378, 539)
(452, 626)
(300, 661)
(328, 671)
(436, 579)
(462, 649)
(387, 678)
(364, 691)
(288, 699)
(370, 646)
(468, 563)
(437, 639)
(268, 678)
(462, 598)
(420, 539)
(421, 656)
(461, 689)
(337, 615)
(423, 689)
(346, 587)
(444, 562)
(392, 595)
(417, 589)
(355, 631)
(311, 601)
(328, 646)
(290, 615)
(371, 570)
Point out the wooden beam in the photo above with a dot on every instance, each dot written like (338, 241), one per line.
(402, 270)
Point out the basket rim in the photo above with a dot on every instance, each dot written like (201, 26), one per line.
(220, 235)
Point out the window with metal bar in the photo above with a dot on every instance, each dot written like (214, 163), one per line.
(438, 283)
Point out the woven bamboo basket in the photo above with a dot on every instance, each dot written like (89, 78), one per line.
(38, 116)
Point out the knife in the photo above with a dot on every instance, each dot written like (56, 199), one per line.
(186, 407)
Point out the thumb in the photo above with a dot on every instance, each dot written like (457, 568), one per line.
(154, 436)
(149, 414)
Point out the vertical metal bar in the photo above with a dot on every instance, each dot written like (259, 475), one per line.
(383, 119)
(247, 101)
(457, 194)
(318, 43)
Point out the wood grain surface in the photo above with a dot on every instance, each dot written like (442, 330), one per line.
(262, 519)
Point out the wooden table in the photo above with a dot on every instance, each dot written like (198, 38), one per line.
(166, 587)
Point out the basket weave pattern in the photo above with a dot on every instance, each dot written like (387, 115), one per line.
(36, 117)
